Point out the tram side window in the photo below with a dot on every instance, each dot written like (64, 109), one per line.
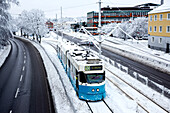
(68, 63)
(82, 77)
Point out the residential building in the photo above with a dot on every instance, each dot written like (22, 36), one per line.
(119, 14)
(159, 28)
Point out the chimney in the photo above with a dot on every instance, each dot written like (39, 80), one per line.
(162, 2)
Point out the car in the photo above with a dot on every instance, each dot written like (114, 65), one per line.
(145, 37)
(86, 43)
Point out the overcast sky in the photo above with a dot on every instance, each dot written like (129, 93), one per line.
(71, 8)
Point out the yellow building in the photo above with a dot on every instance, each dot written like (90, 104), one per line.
(159, 28)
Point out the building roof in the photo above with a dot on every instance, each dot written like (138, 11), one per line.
(147, 5)
(125, 8)
(163, 8)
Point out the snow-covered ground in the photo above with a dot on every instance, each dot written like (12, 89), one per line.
(65, 99)
(115, 98)
(136, 50)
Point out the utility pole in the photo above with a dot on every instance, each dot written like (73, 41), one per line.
(57, 26)
(61, 24)
(99, 28)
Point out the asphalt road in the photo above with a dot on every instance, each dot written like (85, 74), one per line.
(134, 66)
(23, 83)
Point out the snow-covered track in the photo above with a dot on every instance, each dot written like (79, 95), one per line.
(95, 107)
(142, 105)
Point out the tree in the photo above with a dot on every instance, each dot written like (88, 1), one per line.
(137, 27)
(5, 32)
(33, 23)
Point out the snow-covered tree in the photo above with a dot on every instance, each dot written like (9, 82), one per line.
(137, 27)
(5, 32)
(33, 23)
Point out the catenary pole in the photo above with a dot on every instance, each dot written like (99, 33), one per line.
(61, 24)
(99, 28)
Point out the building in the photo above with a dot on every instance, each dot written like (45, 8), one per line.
(50, 25)
(159, 28)
(119, 14)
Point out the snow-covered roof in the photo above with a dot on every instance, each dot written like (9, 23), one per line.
(163, 8)
(69, 22)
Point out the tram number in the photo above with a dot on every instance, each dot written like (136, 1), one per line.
(89, 68)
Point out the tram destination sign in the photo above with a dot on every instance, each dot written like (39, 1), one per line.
(90, 68)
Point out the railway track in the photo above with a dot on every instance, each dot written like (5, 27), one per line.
(92, 105)
(131, 97)
(105, 107)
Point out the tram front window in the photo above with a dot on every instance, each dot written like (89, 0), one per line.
(95, 78)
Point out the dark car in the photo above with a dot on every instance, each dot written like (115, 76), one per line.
(86, 43)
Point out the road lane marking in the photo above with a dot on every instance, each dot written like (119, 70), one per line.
(10, 111)
(25, 57)
(24, 61)
(17, 93)
(23, 68)
(21, 78)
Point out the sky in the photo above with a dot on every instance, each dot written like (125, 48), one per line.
(71, 8)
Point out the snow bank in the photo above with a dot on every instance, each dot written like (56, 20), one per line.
(157, 97)
(133, 52)
(4, 54)
(77, 105)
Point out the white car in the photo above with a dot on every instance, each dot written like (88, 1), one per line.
(145, 37)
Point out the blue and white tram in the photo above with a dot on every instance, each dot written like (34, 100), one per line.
(85, 71)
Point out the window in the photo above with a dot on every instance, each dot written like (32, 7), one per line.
(168, 29)
(160, 18)
(150, 28)
(155, 18)
(150, 18)
(152, 39)
(154, 28)
(160, 40)
(160, 28)
(168, 16)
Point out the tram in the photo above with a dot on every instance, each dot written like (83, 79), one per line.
(85, 71)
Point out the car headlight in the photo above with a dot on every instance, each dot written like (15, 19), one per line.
(93, 90)
(98, 89)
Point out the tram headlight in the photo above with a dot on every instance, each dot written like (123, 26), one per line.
(92, 90)
(97, 89)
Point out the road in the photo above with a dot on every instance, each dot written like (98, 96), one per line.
(23, 84)
(134, 66)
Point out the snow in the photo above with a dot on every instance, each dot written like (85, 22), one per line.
(96, 109)
(163, 8)
(64, 95)
(138, 50)
(4, 54)
(135, 50)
